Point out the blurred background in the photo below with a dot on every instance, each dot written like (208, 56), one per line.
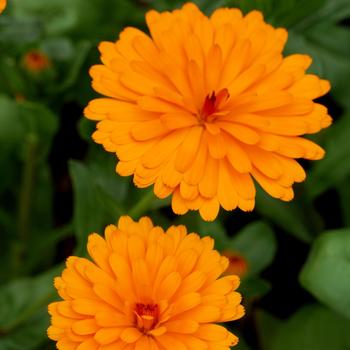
(56, 186)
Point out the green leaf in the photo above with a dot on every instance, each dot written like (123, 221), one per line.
(11, 126)
(55, 16)
(335, 167)
(254, 287)
(38, 119)
(268, 327)
(333, 11)
(326, 273)
(247, 6)
(102, 167)
(312, 328)
(58, 48)
(89, 215)
(12, 81)
(20, 119)
(20, 299)
(330, 57)
(289, 216)
(216, 230)
(39, 250)
(291, 12)
(86, 128)
(29, 335)
(257, 243)
(80, 54)
(281, 13)
(23, 311)
(16, 32)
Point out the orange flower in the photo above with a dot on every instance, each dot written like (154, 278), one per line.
(205, 105)
(36, 61)
(146, 289)
(238, 265)
(3, 4)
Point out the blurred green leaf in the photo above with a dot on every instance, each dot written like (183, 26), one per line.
(18, 32)
(326, 273)
(29, 335)
(11, 126)
(39, 251)
(86, 128)
(58, 48)
(20, 299)
(12, 81)
(42, 246)
(291, 12)
(247, 6)
(23, 311)
(80, 54)
(254, 287)
(38, 120)
(267, 326)
(335, 167)
(216, 230)
(20, 119)
(281, 13)
(55, 16)
(86, 202)
(334, 10)
(102, 167)
(79, 18)
(257, 243)
(331, 58)
(289, 216)
(312, 328)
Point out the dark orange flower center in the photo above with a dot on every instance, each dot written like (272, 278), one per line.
(212, 104)
(146, 316)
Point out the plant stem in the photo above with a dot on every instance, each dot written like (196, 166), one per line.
(26, 188)
(142, 205)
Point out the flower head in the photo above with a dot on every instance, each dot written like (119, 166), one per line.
(203, 106)
(3, 4)
(36, 61)
(238, 265)
(145, 289)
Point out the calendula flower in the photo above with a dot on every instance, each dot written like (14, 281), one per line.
(2, 5)
(238, 265)
(202, 106)
(36, 61)
(146, 289)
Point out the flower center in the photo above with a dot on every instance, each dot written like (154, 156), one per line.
(212, 104)
(146, 316)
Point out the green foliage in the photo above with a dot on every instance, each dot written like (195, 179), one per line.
(268, 327)
(311, 328)
(23, 311)
(289, 216)
(335, 168)
(261, 253)
(57, 186)
(326, 273)
(98, 190)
